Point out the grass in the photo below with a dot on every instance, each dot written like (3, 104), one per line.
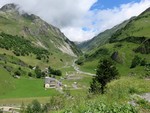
(122, 89)
(84, 81)
(25, 87)
(90, 66)
(126, 54)
(19, 101)
(118, 94)
(6, 82)
(118, 91)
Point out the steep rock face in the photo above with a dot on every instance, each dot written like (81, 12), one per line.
(9, 7)
(35, 29)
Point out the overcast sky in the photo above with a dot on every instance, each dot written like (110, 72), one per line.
(81, 20)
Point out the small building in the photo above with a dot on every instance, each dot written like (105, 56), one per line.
(52, 83)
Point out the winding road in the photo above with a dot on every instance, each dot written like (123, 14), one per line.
(76, 68)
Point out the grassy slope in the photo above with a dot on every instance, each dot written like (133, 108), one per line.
(124, 89)
(126, 53)
(6, 82)
(139, 26)
(119, 92)
(34, 29)
(15, 24)
(101, 38)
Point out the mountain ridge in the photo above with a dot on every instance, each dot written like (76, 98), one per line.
(102, 38)
(125, 46)
(33, 27)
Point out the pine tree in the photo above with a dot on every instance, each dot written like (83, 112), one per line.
(106, 71)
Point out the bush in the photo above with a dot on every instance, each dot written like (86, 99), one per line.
(39, 57)
(143, 62)
(34, 107)
(31, 67)
(58, 73)
(30, 74)
(38, 72)
(100, 107)
(136, 61)
(80, 61)
(54, 72)
(17, 73)
(57, 103)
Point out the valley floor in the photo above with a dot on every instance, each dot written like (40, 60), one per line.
(123, 90)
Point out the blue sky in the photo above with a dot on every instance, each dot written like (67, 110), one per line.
(105, 4)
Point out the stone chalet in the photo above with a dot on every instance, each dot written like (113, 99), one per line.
(52, 83)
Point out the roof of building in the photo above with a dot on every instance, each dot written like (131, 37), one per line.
(48, 80)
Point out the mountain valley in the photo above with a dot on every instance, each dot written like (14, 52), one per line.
(32, 49)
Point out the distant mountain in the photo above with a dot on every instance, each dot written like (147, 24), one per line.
(138, 27)
(33, 28)
(128, 46)
(101, 38)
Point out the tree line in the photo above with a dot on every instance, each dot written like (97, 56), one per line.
(21, 46)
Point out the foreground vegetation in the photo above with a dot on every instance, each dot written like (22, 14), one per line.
(118, 95)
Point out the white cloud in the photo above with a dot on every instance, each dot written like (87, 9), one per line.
(71, 16)
(108, 18)
(77, 34)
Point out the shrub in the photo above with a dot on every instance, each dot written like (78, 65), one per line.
(100, 107)
(54, 72)
(17, 73)
(38, 72)
(57, 72)
(31, 67)
(34, 107)
(39, 57)
(80, 61)
(30, 74)
(143, 62)
(57, 103)
(136, 61)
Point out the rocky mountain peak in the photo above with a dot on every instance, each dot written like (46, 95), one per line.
(10, 7)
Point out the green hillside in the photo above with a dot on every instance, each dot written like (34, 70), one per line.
(28, 45)
(101, 38)
(36, 30)
(126, 46)
(138, 27)
(32, 42)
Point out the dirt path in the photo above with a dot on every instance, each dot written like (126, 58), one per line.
(79, 71)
